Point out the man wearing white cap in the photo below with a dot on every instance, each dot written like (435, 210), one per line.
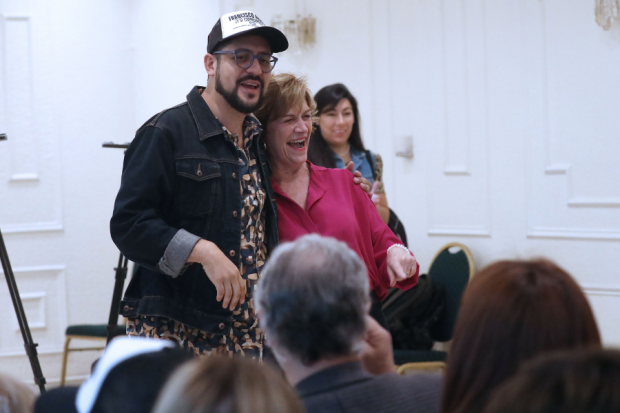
(196, 199)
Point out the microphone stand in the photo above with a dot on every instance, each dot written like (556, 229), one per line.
(31, 347)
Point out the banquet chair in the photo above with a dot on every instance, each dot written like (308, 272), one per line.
(451, 268)
(98, 332)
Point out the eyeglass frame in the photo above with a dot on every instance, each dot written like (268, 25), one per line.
(254, 57)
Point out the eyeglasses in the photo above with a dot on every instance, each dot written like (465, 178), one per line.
(245, 59)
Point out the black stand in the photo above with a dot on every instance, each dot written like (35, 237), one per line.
(121, 274)
(31, 347)
(119, 283)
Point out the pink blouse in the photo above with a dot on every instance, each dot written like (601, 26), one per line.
(336, 207)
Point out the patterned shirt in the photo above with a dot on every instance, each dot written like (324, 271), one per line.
(244, 337)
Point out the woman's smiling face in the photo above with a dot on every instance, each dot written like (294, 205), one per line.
(288, 136)
(337, 123)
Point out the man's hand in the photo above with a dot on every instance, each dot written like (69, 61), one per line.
(377, 353)
(401, 265)
(221, 271)
(358, 179)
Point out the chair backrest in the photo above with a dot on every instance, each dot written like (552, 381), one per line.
(451, 268)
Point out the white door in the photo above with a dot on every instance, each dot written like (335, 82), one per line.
(512, 110)
(30, 186)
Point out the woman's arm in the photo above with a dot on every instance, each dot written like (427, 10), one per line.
(378, 191)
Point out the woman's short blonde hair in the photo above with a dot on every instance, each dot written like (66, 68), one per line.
(285, 91)
(219, 384)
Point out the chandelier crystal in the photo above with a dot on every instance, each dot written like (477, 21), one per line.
(607, 13)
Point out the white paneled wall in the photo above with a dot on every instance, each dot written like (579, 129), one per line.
(510, 107)
(64, 72)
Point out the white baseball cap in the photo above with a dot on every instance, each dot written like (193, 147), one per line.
(245, 22)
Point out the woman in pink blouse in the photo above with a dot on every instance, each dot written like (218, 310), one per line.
(313, 199)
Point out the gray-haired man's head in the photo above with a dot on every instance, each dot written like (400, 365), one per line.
(313, 297)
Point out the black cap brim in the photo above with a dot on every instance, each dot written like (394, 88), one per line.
(276, 39)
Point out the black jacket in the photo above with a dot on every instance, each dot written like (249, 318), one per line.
(180, 183)
(347, 388)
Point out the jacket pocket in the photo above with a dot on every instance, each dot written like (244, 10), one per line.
(199, 185)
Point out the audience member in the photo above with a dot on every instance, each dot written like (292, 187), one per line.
(512, 311)
(15, 396)
(227, 385)
(573, 382)
(312, 199)
(313, 304)
(337, 140)
(127, 378)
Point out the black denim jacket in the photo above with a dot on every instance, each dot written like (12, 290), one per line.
(180, 183)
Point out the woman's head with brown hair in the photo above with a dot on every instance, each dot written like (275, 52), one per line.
(287, 117)
(285, 92)
(512, 311)
(219, 384)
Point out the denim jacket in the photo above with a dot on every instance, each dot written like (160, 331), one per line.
(360, 163)
(180, 183)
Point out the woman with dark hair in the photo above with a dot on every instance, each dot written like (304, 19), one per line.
(512, 311)
(337, 141)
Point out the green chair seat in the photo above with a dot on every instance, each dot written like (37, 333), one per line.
(418, 356)
(93, 330)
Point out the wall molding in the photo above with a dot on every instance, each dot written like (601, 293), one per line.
(574, 233)
(538, 69)
(32, 227)
(39, 324)
(463, 231)
(608, 290)
(59, 311)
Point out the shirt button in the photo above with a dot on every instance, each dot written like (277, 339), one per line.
(221, 326)
(232, 253)
(234, 175)
(126, 308)
(235, 214)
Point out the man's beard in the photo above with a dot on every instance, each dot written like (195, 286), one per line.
(232, 96)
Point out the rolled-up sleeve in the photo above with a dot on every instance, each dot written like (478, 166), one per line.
(147, 190)
(177, 252)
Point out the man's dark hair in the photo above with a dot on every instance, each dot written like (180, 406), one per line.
(133, 385)
(313, 297)
(575, 382)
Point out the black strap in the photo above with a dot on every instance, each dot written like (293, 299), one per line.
(372, 165)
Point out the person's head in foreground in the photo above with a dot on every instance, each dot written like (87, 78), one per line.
(240, 59)
(338, 125)
(313, 300)
(571, 382)
(15, 396)
(127, 378)
(286, 117)
(218, 384)
(512, 311)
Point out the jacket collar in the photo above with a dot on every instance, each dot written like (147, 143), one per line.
(208, 125)
(332, 378)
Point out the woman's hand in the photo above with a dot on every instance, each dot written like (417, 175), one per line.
(358, 179)
(401, 265)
